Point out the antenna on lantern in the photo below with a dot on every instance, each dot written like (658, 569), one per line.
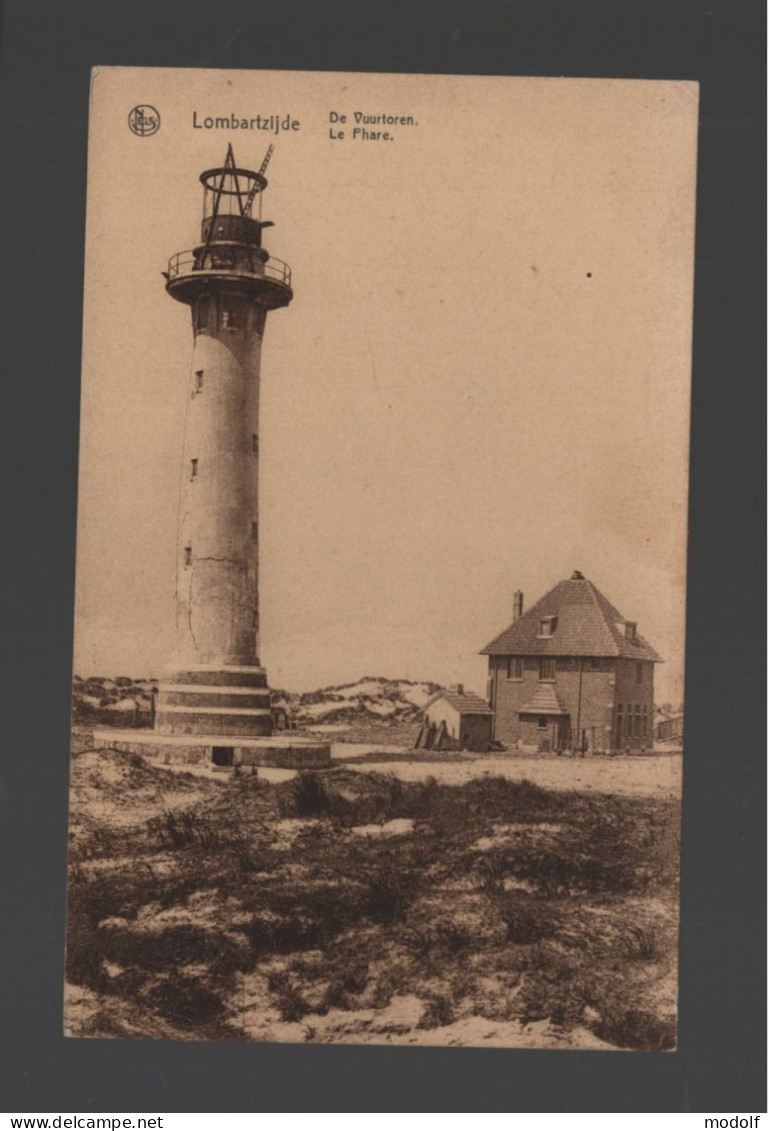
(255, 187)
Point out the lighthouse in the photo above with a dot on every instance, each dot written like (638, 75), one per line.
(216, 685)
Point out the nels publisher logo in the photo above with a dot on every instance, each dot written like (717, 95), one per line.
(144, 121)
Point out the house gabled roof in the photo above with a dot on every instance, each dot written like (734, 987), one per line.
(544, 701)
(587, 625)
(465, 702)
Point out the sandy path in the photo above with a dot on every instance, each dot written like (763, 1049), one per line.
(653, 776)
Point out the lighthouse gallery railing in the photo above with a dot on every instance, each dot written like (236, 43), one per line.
(187, 263)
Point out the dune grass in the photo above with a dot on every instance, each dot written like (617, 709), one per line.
(502, 900)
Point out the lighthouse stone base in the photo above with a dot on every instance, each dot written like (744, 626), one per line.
(214, 699)
(219, 714)
(284, 751)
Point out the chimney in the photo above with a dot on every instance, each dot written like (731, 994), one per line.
(459, 688)
(517, 604)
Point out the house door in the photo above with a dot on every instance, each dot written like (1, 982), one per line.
(562, 733)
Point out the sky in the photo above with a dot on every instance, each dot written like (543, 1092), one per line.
(482, 382)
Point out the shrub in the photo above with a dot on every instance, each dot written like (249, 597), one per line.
(641, 943)
(637, 1029)
(425, 798)
(186, 1002)
(342, 989)
(84, 956)
(452, 938)
(162, 950)
(248, 862)
(289, 1001)
(526, 919)
(309, 795)
(491, 871)
(185, 829)
(438, 1011)
(289, 933)
(388, 893)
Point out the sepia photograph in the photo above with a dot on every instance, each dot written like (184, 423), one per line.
(378, 684)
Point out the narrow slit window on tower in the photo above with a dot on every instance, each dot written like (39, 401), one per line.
(193, 469)
(187, 556)
(254, 443)
(199, 381)
(229, 318)
(254, 531)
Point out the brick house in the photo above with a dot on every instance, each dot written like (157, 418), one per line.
(572, 673)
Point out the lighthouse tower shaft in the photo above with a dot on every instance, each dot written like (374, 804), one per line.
(217, 686)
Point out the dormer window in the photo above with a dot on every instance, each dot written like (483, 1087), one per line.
(630, 629)
(547, 626)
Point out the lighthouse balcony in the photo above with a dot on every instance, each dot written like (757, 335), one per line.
(189, 272)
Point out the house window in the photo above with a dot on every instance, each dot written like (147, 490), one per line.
(637, 721)
(547, 626)
(254, 443)
(254, 531)
(639, 673)
(541, 723)
(514, 667)
(630, 627)
(199, 381)
(193, 469)
(229, 318)
(620, 725)
(593, 664)
(645, 722)
(187, 556)
(546, 668)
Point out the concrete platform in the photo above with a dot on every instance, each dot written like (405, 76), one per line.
(279, 750)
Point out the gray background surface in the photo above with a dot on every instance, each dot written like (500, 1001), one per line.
(46, 52)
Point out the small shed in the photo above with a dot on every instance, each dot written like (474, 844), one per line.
(454, 719)
(670, 728)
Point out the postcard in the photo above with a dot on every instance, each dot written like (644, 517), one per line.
(379, 634)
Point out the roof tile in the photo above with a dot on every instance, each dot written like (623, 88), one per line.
(465, 702)
(588, 625)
